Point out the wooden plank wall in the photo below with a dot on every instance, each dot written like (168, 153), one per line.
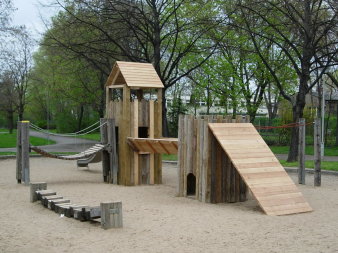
(200, 154)
(114, 109)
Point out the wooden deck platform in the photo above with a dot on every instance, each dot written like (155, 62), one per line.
(274, 190)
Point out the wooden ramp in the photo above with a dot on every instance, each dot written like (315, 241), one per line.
(274, 190)
(159, 146)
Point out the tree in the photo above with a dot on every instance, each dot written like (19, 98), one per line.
(6, 8)
(162, 32)
(18, 61)
(8, 98)
(305, 32)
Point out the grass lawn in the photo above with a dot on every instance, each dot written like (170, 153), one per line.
(91, 136)
(328, 151)
(9, 140)
(310, 164)
(169, 157)
(95, 136)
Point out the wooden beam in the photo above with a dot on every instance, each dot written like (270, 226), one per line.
(135, 134)
(151, 135)
(124, 132)
(25, 151)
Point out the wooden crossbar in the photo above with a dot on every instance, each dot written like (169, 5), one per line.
(151, 145)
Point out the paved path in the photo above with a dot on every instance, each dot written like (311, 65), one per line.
(63, 144)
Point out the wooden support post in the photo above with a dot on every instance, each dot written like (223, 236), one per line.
(213, 165)
(25, 151)
(113, 162)
(105, 153)
(36, 187)
(125, 151)
(111, 215)
(181, 158)
(243, 189)
(317, 152)
(158, 134)
(18, 153)
(152, 135)
(135, 134)
(301, 152)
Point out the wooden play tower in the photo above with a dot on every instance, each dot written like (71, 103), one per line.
(134, 102)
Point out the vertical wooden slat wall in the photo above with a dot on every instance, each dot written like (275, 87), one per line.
(200, 153)
(129, 116)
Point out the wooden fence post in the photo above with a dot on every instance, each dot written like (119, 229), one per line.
(317, 152)
(35, 187)
(25, 151)
(111, 215)
(18, 153)
(301, 152)
(105, 153)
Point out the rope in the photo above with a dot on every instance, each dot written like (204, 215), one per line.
(87, 153)
(65, 135)
(75, 133)
(284, 126)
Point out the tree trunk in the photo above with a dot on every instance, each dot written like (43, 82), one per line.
(297, 113)
(165, 128)
(10, 119)
(337, 126)
(79, 124)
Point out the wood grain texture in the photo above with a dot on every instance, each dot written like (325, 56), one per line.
(274, 190)
(135, 75)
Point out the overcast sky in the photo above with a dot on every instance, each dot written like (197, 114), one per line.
(29, 13)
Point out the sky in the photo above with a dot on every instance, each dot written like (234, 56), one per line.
(29, 13)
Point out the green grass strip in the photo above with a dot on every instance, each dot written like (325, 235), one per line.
(8, 140)
(310, 164)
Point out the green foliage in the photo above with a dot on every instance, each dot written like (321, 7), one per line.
(175, 109)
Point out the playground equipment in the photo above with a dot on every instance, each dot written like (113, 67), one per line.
(134, 102)
(109, 212)
(218, 161)
(91, 154)
(95, 158)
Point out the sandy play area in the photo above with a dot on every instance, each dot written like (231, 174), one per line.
(154, 219)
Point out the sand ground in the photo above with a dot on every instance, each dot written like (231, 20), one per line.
(154, 219)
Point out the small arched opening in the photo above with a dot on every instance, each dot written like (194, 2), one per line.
(191, 184)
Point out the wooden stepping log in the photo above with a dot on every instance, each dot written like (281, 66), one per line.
(60, 208)
(87, 213)
(109, 212)
(44, 193)
(44, 199)
(52, 202)
(70, 211)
